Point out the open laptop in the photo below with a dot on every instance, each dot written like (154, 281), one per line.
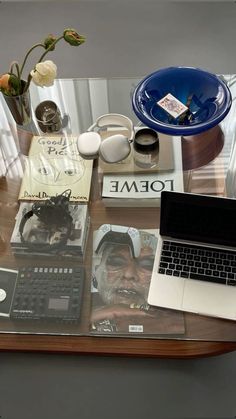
(195, 263)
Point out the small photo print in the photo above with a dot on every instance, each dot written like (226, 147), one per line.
(172, 105)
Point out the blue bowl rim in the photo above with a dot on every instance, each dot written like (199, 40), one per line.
(177, 129)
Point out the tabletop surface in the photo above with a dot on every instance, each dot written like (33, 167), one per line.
(114, 323)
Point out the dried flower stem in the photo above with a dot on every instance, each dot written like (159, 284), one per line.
(11, 83)
(28, 53)
(41, 58)
(16, 64)
(50, 48)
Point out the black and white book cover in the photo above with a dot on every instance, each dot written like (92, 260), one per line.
(39, 233)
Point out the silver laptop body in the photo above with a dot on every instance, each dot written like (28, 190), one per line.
(195, 262)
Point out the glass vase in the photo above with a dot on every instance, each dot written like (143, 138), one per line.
(19, 107)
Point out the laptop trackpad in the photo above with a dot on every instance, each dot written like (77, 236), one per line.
(210, 299)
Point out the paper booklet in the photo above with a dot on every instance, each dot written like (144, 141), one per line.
(53, 166)
(119, 290)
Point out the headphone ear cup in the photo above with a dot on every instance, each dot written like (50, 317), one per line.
(88, 145)
(115, 148)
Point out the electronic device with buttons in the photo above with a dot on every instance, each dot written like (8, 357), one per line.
(48, 293)
(7, 286)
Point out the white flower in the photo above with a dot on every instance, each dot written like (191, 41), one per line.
(44, 73)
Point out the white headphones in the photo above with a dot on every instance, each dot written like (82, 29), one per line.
(112, 149)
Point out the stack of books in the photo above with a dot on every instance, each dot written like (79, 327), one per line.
(38, 235)
(53, 167)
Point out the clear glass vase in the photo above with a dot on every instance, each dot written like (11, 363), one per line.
(19, 107)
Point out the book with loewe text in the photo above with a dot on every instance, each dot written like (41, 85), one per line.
(54, 165)
(119, 289)
(143, 189)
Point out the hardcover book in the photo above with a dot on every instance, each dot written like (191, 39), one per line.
(166, 160)
(37, 233)
(143, 189)
(53, 166)
(119, 289)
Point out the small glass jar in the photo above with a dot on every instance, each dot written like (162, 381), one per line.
(146, 148)
(48, 117)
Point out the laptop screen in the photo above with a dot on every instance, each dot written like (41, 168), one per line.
(198, 218)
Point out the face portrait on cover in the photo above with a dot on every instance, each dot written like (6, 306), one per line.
(56, 172)
(122, 279)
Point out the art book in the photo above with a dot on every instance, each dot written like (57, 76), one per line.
(140, 186)
(54, 165)
(37, 233)
(128, 166)
(143, 189)
(119, 289)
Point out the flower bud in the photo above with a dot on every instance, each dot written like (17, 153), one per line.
(4, 82)
(73, 38)
(10, 85)
(49, 41)
(15, 85)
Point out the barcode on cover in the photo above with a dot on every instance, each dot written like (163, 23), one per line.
(136, 328)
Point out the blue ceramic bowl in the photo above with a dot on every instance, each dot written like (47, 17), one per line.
(209, 100)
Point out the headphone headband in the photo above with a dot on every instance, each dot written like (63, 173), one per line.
(117, 120)
(112, 149)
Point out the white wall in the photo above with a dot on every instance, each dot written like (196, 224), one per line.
(124, 38)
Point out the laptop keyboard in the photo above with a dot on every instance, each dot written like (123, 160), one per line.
(197, 262)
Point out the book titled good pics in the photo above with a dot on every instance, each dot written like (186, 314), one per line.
(143, 188)
(53, 166)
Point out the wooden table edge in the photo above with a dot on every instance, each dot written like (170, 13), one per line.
(113, 346)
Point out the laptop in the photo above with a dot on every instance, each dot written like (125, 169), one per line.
(195, 262)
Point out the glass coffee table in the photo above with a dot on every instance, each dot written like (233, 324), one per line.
(128, 327)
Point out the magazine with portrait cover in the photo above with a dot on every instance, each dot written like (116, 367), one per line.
(120, 284)
(54, 165)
